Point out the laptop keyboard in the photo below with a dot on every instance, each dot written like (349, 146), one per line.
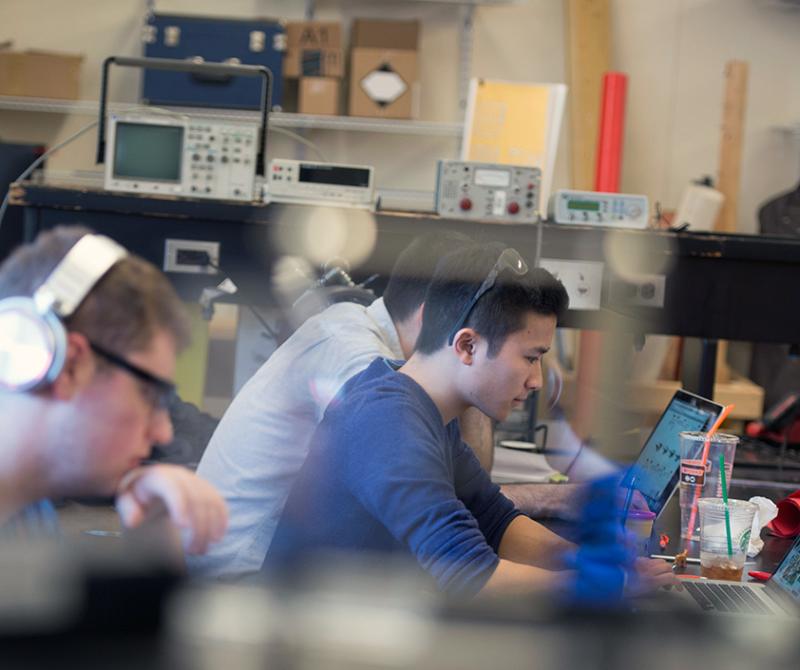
(726, 598)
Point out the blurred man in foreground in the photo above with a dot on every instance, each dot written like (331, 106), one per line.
(88, 340)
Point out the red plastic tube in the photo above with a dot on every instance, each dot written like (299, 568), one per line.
(611, 134)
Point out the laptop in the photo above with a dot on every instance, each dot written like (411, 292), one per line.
(778, 597)
(657, 468)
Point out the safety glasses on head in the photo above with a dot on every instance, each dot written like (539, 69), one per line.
(509, 259)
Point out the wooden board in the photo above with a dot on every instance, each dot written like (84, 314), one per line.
(588, 24)
(731, 142)
(730, 167)
(589, 47)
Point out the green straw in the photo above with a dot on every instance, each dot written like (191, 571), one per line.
(725, 500)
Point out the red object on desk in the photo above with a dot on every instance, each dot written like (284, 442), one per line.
(759, 575)
(787, 523)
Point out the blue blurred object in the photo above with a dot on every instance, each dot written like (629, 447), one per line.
(605, 554)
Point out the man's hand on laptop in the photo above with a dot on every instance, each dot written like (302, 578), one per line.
(650, 574)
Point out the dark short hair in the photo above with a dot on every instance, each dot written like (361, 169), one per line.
(414, 269)
(122, 312)
(499, 312)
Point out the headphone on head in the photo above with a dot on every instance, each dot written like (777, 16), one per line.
(33, 340)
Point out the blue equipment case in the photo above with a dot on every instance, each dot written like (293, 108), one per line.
(216, 40)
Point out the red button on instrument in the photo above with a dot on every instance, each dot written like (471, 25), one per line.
(465, 204)
(513, 207)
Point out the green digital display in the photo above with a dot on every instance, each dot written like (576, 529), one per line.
(584, 205)
(148, 151)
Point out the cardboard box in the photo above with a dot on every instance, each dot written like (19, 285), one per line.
(384, 69)
(383, 83)
(314, 34)
(314, 48)
(313, 63)
(378, 34)
(319, 95)
(40, 74)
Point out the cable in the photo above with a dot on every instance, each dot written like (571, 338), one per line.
(39, 161)
(577, 454)
(299, 138)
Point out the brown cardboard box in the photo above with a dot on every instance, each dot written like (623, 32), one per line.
(314, 48)
(383, 68)
(383, 83)
(40, 74)
(313, 63)
(314, 34)
(377, 34)
(319, 95)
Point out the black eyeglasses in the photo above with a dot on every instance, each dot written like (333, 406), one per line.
(160, 393)
(509, 259)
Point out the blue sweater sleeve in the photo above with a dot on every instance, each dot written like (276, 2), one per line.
(488, 505)
(401, 468)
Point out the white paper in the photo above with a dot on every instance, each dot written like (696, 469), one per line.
(766, 512)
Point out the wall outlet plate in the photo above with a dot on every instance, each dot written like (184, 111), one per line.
(641, 290)
(582, 279)
(174, 263)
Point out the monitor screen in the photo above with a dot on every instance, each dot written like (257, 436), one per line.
(584, 205)
(334, 174)
(656, 469)
(148, 151)
(787, 576)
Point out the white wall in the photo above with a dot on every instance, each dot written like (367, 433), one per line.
(673, 51)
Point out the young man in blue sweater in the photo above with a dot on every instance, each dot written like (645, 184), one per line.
(387, 470)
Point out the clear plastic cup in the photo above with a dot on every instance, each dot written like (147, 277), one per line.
(702, 480)
(717, 559)
(640, 524)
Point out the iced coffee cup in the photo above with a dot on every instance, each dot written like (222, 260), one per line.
(719, 557)
(699, 477)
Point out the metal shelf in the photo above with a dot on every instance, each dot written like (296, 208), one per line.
(477, 3)
(278, 119)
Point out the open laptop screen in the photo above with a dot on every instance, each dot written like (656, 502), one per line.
(787, 576)
(656, 469)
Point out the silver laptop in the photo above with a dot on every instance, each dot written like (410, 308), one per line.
(778, 597)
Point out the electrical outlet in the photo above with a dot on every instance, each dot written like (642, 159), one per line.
(640, 290)
(190, 256)
(582, 279)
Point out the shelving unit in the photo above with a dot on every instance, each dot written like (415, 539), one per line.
(279, 119)
(464, 11)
